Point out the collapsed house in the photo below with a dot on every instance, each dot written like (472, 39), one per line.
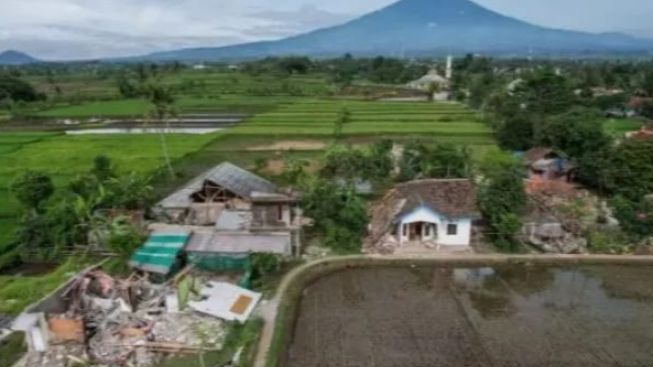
(431, 212)
(549, 165)
(95, 319)
(219, 219)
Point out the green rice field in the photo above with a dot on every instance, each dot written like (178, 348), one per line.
(63, 157)
(196, 91)
(450, 121)
(140, 107)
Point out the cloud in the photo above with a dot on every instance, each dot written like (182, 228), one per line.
(74, 29)
(306, 18)
(71, 29)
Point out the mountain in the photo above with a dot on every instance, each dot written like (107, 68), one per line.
(11, 57)
(423, 28)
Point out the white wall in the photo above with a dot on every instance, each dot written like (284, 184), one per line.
(423, 214)
(463, 238)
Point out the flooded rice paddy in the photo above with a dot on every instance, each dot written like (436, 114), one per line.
(507, 316)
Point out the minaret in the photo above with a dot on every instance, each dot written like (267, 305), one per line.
(449, 72)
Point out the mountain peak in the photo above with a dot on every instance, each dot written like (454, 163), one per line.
(426, 28)
(13, 57)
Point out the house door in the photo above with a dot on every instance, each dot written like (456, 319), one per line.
(416, 231)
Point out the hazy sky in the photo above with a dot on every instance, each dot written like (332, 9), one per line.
(67, 29)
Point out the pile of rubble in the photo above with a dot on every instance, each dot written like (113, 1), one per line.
(557, 222)
(111, 322)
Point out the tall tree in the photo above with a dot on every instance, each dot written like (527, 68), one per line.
(339, 214)
(163, 108)
(420, 161)
(575, 132)
(502, 198)
(33, 189)
(545, 92)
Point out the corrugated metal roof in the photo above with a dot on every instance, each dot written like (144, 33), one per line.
(228, 176)
(240, 243)
(159, 253)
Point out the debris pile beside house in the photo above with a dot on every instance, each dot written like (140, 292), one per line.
(547, 165)
(645, 133)
(100, 320)
(557, 220)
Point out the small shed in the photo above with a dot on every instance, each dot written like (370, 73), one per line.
(211, 250)
(161, 254)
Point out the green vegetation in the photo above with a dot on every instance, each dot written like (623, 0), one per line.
(14, 89)
(12, 349)
(340, 215)
(117, 108)
(318, 117)
(420, 161)
(17, 292)
(502, 199)
(64, 157)
(617, 128)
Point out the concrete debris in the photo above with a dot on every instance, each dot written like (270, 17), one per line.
(56, 356)
(64, 330)
(226, 301)
(113, 322)
(190, 329)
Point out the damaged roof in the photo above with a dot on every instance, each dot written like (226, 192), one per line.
(452, 198)
(228, 176)
(240, 243)
(159, 254)
(538, 153)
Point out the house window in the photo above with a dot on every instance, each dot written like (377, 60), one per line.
(280, 212)
(427, 230)
(452, 229)
(404, 230)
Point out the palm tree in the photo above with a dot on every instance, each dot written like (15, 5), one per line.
(163, 108)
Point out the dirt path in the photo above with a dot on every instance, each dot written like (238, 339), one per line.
(291, 145)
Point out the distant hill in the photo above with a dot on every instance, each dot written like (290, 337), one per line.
(425, 28)
(11, 57)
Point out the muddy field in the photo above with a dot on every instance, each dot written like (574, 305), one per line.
(424, 317)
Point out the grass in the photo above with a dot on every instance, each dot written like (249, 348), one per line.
(7, 227)
(619, 127)
(128, 107)
(140, 107)
(12, 349)
(17, 292)
(63, 157)
(317, 118)
(87, 96)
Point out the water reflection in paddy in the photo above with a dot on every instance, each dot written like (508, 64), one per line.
(507, 316)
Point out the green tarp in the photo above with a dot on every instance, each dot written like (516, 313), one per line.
(160, 253)
(219, 262)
